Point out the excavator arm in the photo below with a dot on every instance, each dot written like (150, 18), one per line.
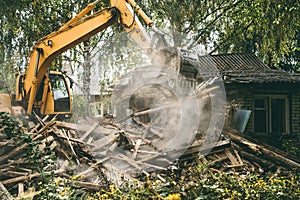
(77, 30)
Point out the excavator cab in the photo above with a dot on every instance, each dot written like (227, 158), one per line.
(60, 94)
(53, 95)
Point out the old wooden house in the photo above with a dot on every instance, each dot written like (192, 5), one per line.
(268, 100)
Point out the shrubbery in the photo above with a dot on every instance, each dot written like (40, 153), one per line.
(199, 182)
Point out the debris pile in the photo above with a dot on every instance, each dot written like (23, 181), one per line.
(235, 152)
(101, 152)
(29, 155)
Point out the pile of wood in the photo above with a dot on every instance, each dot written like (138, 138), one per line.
(20, 168)
(102, 152)
(124, 152)
(235, 152)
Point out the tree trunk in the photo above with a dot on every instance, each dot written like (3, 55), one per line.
(86, 71)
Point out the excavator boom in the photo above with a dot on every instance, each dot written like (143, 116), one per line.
(35, 88)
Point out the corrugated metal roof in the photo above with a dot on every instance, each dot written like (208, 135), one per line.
(266, 76)
(239, 68)
(224, 62)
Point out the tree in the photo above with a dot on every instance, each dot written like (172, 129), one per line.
(267, 28)
(189, 23)
(9, 30)
(26, 21)
(291, 61)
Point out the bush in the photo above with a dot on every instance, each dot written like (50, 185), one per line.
(291, 145)
(199, 182)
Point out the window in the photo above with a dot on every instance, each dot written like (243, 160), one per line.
(60, 93)
(271, 114)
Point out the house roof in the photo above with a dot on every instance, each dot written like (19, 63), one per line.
(224, 62)
(264, 76)
(238, 68)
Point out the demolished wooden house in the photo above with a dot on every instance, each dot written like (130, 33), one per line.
(266, 100)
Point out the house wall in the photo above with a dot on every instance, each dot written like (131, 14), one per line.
(295, 112)
(243, 95)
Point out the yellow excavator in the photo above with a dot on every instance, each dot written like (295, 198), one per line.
(47, 92)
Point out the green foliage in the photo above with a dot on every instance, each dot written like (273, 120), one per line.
(198, 182)
(10, 126)
(40, 160)
(189, 23)
(7, 75)
(57, 188)
(291, 145)
(268, 28)
(24, 22)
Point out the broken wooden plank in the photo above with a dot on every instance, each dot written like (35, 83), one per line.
(262, 150)
(220, 159)
(89, 131)
(90, 140)
(13, 153)
(99, 144)
(45, 128)
(93, 167)
(89, 186)
(254, 158)
(66, 125)
(15, 173)
(40, 124)
(27, 177)
(234, 166)
(152, 166)
(136, 148)
(4, 194)
(131, 162)
(154, 131)
(238, 156)
(20, 178)
(153, 110)
(204, 148)
(20, 189)
(71, 139)
(69, 143)
(232, 159)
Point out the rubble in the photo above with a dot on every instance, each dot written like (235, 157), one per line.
(104, 153)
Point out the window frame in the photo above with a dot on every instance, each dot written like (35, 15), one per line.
(268, 107)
